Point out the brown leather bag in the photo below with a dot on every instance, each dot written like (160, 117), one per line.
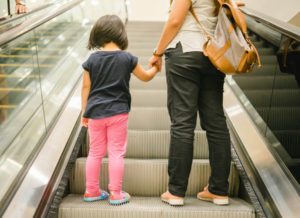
(230, 49)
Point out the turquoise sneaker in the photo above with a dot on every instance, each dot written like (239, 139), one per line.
(101, 196)
(119, 198)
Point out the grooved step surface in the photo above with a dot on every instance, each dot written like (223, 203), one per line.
(149, 207)
(273, 98)
(150, 118)
(266, 82)
(291, 139)
(149, 177)
(281, 118)
(157, 83)
(155, 144)
(149, 98)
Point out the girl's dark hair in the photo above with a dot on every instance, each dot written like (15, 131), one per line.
(108, 28)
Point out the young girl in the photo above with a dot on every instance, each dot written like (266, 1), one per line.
(106, 103)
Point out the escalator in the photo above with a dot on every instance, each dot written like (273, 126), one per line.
(43, 147)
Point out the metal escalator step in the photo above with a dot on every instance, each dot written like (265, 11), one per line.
(281, 118)
(152, 207)
(266, 82)
(150, 118)
(157, 83)
(268, 59)
(155, 144)
(144, 177)
(148, 98)
(265, 51)
(290, 139)
(273, 98)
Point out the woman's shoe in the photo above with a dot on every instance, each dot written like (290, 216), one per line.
(216, 199)
(100, 196)
(119, 198)
(172, 200)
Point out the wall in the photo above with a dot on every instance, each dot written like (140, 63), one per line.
(149, 10)
(280, 9)
(157, 10)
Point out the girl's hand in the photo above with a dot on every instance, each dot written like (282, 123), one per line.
(84, 121)
(155, 60)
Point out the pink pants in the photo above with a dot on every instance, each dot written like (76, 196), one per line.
(110, 132)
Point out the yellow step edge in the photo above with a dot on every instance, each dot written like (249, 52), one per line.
(28, 49)
(18, 76)
(8, 106)
(27, 65)
(14, 89)
(52, 43)
(29, 56)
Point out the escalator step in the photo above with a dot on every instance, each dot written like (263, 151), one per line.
(290, 139)
(151, 207)
(155, 98)
(150, 118)
(274, 98)
(266, 82)
(144, 177)
(155, 144)
(281, 118)
(157, 83)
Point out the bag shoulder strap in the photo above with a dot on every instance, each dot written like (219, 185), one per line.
(195, 16)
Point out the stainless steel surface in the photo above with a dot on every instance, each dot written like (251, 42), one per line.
(282, 27)
(28, 25)
(29, 195)
(19, 16)
(277, 185)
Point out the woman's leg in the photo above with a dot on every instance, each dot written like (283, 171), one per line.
(117, 143)
(214, 122)
(182, 107)
(97, 133)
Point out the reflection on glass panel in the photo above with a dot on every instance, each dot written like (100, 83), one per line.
(61, 46)
(20, 101)
(3, 9)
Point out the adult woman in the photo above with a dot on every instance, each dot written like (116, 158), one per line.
(194, 84)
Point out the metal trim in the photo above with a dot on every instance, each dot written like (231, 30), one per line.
(282, 27)
(278, 193)
(36, 182)
(12, 18)
(29, 25)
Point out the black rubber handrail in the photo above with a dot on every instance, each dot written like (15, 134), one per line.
(31, 24)
(282, 27)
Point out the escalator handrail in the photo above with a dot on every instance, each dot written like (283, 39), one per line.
(282, 27)
(31, 24)
(12, 18)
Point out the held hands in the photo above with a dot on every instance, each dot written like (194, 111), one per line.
(155, 61)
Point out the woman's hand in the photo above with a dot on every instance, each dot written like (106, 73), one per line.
(84, 121)
(155, 60)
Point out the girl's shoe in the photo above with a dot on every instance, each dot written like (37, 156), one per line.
(205, 195)
(172, 200)
(119, 198)
(100, 196)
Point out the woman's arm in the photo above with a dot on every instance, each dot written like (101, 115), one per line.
(85, 91)
(173, 25)
(144, 75)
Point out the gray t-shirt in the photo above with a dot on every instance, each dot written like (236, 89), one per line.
(190, 34)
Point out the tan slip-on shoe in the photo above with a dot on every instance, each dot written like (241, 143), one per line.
(172, 200)
(205, 195)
